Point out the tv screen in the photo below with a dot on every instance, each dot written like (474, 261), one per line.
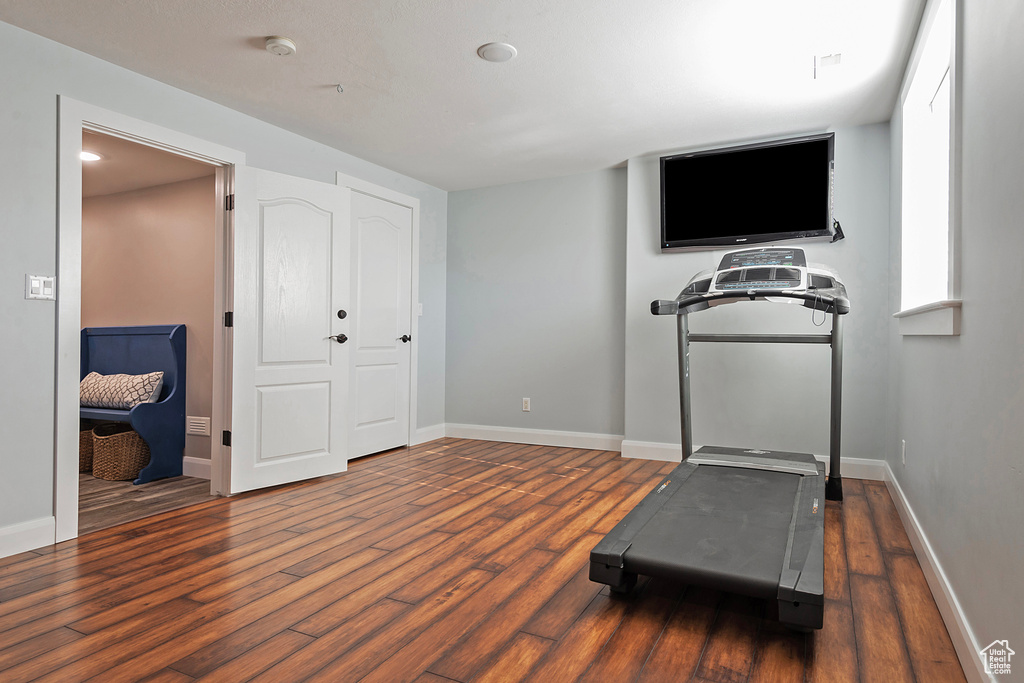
(752, 194)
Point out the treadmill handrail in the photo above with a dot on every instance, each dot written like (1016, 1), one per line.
(690, 303)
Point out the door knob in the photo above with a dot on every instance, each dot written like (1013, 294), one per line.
(340, 338)
(405, 338)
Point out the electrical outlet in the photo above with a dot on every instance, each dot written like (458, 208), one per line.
(904, 451)
(526, 405)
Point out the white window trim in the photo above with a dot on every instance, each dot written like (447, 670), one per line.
(940, 317)
(937, 318)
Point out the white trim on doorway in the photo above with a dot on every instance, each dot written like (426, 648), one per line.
(360, 185)
(73, 118)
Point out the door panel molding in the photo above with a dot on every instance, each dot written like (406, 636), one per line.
(401, 199)
(291, 380)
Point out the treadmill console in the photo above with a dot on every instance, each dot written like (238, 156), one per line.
(760, 269)
(767, 273)
(763, 257)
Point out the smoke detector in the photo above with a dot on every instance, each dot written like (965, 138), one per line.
(280, 46)
(496, 52)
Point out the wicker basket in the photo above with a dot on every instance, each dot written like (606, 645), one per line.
(85, 450)
(118, 453)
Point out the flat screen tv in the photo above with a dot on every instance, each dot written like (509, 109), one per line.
(766, 192)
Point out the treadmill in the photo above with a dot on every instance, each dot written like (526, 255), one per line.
(747, 521)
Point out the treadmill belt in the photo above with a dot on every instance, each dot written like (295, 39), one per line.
(725, 527)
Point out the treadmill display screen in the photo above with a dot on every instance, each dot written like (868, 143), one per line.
(760, 284)
(758, 277)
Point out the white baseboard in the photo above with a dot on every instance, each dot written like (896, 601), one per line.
(200, 468)
(858, 468)
(539, 437)
(431, 433)
(960, 632)
(652, 450)
(29, 535)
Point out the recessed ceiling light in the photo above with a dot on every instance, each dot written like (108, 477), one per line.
(280, 46)
(496, 52)
(89, 156)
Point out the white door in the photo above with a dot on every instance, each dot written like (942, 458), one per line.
(381, 324)
(290, 382)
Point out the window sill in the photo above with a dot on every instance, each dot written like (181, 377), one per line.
(940, 318)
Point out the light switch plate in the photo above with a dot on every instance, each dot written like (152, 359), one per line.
(41, 287)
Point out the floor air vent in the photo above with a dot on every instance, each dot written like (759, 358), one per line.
(197, 426)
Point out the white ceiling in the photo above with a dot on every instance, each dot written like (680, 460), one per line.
(127, 166)
(596, 81)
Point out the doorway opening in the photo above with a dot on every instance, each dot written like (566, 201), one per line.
(80, 122)
(148, 242)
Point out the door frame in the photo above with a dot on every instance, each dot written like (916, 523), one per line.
(74, 117)
(358, 185)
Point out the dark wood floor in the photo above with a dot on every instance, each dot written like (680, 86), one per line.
(103, 504)
(453, 561)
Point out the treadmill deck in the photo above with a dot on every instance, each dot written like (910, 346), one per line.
(741, 529)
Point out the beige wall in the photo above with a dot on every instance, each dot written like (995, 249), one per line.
(147, 259)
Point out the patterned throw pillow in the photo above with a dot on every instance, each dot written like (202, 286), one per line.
(119, 392)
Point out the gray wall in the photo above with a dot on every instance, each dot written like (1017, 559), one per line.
(959, 401)
(777, 395)
(536, 276)
(34, 71)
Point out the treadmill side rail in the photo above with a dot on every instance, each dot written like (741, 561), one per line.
(607, 559)
(801, 596)
(802, 606)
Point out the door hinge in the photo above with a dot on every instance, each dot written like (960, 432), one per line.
(229, 319)
(226, 438)
(229, 202)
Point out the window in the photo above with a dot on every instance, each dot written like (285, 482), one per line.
(928, 231)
